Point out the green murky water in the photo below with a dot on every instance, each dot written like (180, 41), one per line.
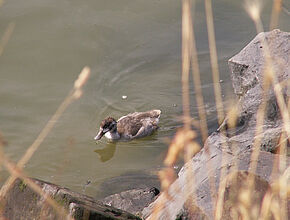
(133, 49)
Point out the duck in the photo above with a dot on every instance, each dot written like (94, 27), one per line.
(131, 126)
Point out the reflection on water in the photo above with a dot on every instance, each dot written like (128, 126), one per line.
(107, 152)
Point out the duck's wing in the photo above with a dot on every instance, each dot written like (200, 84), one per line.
(146, 115)
(138, 124)
(149, 125)
(128, 126)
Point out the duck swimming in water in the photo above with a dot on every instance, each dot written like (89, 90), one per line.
(131, 126)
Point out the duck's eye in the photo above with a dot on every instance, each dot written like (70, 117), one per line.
(111, 126)
(107, 125)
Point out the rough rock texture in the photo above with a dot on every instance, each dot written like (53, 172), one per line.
(132, 201)
(190, 211)
(201, 169)
(235, 147)
(248, 68)
(21, 202)
(234, 183)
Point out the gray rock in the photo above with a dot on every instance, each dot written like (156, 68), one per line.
(23, 203)
(235, 147)
(247, 68)
(201, 171)
(133, 201)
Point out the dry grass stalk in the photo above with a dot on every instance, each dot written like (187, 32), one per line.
(48, 127)
(217, 92)
(7, 35)
(196, 79)
(199, 97)
(276, 9)
(273, 202)
(185, 63)
(214, 61)
(283, 182)
(232, 116)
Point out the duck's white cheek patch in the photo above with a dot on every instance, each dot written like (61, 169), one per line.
(108, 135)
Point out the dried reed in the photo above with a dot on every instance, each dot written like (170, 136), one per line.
(276, 9)
(6, 37)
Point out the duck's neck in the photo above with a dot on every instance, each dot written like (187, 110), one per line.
(112, 135)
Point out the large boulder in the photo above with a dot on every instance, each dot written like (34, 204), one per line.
(248, 68)
(231, 149)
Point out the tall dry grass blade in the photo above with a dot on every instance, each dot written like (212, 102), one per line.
(214, 60)
(217, 92)
(266, 204)
(232, 117)
(185, 63)
(6, 37)
(45, 131)
(199, 98)
(283, 183)
(276, 9)
(196, 79)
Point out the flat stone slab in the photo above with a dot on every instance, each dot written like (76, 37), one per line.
(21, 202)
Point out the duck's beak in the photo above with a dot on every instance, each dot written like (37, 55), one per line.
(99, 135)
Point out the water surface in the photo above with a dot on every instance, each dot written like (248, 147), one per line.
(133, 49)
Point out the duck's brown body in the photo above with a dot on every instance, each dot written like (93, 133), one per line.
(131, 126)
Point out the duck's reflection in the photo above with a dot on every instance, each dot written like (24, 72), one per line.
(107, 152)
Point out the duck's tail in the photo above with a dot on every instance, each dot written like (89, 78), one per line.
(156, 113)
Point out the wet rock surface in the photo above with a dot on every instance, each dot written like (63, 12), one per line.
(231, 149)
(133, 201)
(21, 202)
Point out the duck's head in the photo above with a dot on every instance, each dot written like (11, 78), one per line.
(108, 124)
